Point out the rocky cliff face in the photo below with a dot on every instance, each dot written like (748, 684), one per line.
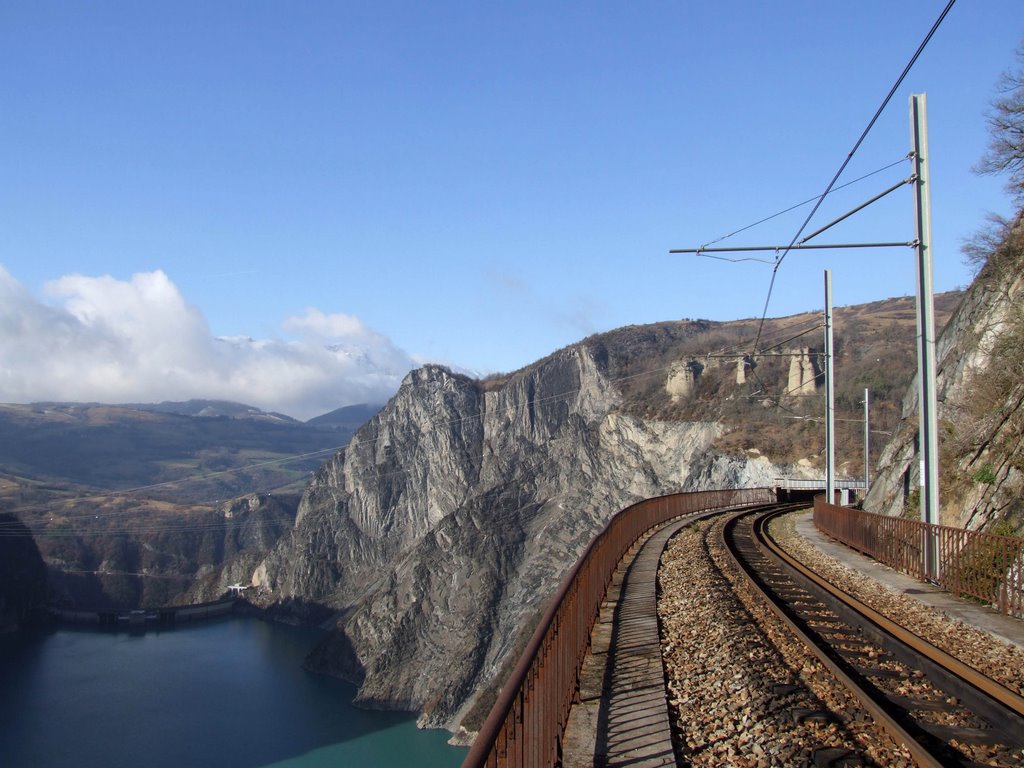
(22, 575)
(435, 540)
(191, 559)
(250, 527)
(980, 391)
(452, 516)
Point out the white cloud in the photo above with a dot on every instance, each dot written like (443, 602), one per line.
(336, 325)
(108, 340)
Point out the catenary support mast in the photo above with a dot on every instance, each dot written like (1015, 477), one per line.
(867, 440)
(830, 410)
(928, 435)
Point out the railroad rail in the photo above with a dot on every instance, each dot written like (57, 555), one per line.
(941, 710)
(526, 723)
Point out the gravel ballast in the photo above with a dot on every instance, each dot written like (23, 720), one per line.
(741, 689)
(1003, 662)
(744, 692)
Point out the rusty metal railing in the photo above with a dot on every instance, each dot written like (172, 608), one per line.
(526, 723)
(980, 566)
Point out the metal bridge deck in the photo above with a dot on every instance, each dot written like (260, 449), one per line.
(622, 716)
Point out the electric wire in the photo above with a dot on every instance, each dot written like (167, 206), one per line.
(849, 157)
(817, 327)
(120, 495)
(355, 443)
(778, 262)
(140, 527)
(808, 201)
(741, 347)
(352, 445)
(117, 494)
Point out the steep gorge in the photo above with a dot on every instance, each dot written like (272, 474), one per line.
(435, 538)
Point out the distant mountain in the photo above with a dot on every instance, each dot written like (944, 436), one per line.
(211, 409)
(113, 447)
(351, 417)
(186, 493)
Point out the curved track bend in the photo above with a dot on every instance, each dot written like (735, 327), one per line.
(944, 712)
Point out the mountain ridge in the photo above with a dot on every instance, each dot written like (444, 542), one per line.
(444, 526)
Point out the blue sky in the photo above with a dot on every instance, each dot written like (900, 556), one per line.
(290, 204)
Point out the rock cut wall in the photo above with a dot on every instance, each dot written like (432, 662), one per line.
(980, 393)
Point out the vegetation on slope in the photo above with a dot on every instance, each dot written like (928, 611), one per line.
(129, 505)
(982, 445)
(981, 366)
(983, 450)
(874, 349)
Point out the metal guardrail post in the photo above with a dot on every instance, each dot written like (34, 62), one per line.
(980, 566)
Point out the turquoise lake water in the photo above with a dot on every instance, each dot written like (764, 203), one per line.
(229, 693)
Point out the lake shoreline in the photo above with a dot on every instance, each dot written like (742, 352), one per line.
(228, 692)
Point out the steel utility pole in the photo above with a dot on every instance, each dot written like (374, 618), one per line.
(830, 411)
(867, 444)
(928, 435)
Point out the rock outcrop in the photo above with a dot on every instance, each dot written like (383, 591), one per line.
(250, 527)
(980, 392)
(452, 516)
(803, 374)
(190, 560)
(682, 380)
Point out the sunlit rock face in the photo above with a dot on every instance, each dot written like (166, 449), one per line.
(980, 367)
(443, 529)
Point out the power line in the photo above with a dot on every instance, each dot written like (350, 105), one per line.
(114, 494)
(801, 205)
(740, 347)
(140, 527)
(75, 519)
(816, 327)
(849, 157)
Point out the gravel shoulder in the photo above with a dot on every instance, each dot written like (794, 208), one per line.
(998, 659)
(743, 692)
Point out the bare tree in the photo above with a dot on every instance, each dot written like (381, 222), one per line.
(1006, 125)
(986, 241)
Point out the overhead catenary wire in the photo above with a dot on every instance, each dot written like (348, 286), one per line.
(849, 157)
(709, 252)
(795, 242)
(127, 520)
(778, 399)
(909, 180)
(141, 526)
(808, 201)
(149, 527)
(120, 494)
(741, 348)
(817, 326)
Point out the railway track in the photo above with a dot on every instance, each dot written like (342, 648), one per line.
(942, 711)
